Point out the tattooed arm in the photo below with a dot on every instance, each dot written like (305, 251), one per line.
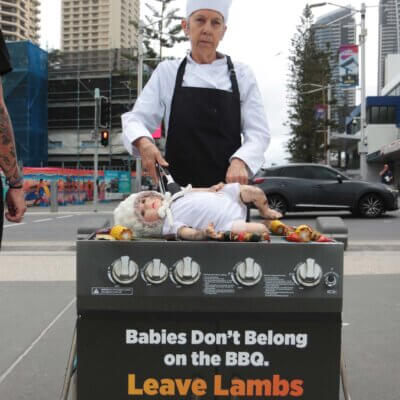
(8, 158)
(15, 198)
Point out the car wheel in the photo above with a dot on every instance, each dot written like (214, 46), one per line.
(277, 203)
(371, 206)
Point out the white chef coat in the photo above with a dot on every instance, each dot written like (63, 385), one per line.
(154, 104)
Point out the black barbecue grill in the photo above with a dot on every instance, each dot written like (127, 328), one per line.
(211, 320)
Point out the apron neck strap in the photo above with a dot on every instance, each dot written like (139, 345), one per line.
(232, 75)
(181, 72)
(231, 70)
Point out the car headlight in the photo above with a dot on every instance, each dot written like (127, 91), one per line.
(394, 191)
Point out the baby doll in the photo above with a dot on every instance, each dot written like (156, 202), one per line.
(195, 214)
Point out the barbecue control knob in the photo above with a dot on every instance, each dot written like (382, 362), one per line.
(124, 271)
(248, 272)
(308, 273)
(155, 272)
(186, 271)
(331, 279)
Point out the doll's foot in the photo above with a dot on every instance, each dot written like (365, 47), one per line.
(272, 214)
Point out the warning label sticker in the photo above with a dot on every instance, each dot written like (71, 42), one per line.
(111, 291)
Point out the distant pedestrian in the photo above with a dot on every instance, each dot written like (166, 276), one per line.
(15, 197)
(386, 175)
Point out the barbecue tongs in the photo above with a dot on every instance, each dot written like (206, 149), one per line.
(165, 181)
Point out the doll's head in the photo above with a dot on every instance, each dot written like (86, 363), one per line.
(139, 212)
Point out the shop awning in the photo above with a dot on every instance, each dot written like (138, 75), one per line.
(391, 150)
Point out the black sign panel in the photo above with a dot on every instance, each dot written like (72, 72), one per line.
(209, 356)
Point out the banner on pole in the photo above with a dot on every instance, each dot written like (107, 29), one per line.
(348, 66)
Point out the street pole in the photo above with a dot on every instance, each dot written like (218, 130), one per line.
(328, 139)
(362, 146)
(96, 146)
(363, 151)
(140, 64)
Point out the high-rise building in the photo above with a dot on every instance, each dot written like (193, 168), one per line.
(389, 35)
(99, 24)
(20, 20)
(333, 30)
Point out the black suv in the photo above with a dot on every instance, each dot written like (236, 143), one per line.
(310, 187)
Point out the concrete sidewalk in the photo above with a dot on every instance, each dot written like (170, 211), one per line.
(54, 266)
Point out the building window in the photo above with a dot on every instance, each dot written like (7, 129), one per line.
(382, 115)
(87, 143)
(55, 144)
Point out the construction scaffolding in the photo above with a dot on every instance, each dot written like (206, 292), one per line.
(73, 78)
(25, 93)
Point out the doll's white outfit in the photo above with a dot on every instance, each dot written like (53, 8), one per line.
(198, 209)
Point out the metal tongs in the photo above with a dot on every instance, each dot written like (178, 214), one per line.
(165, 181)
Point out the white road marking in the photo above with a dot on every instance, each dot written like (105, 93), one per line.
(345, 324)
(11, 225)
(43, 220)
(30, 347)
(65, 216)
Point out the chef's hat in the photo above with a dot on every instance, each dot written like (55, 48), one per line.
(221, 6)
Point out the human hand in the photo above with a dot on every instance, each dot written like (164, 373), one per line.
(16, 206)
(150, 156)
(212, 234)
(237, 172)
(217, 187)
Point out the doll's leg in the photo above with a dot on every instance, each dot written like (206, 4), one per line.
(253, 194)
(249, 227)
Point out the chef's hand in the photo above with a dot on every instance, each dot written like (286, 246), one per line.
(16, 206)
(237, 172)
(217, 187)
(150, 156)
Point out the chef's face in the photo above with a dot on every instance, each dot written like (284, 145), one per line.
(148, 208)
(205, 29)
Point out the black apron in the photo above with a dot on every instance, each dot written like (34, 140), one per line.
(204, 131)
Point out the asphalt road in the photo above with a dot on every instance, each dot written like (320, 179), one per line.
(51, 227)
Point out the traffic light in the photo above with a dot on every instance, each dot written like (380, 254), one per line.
(105, 112)
(105, 136)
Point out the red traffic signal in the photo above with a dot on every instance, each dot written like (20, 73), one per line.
(105, 136)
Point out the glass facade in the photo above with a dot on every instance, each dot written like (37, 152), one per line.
(389, 35)
(332, 37)
(381, 115)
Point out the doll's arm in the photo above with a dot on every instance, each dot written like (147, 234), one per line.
(186, 233)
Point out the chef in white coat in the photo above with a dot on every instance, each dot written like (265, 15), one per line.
(216, 127)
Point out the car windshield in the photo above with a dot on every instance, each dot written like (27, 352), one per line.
(268, 172)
